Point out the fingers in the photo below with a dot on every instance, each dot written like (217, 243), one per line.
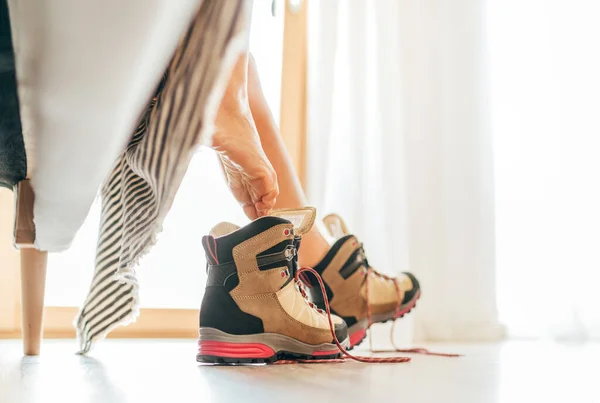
(264, 191)
(262, 207)
(267, 204)
(256, 191)
(250, 211)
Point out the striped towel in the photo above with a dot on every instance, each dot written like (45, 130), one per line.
(140, 190)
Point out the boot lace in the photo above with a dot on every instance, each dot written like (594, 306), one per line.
(298, 277)
(298, 274)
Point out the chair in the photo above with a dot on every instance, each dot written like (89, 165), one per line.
(84, 72)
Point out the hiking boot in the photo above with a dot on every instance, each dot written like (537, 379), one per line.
(344, 271)
(253, 310)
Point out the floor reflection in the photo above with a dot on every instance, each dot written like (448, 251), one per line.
(166, 371)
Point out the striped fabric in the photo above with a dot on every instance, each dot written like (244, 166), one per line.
(141, 188)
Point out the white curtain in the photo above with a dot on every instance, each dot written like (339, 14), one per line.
(545, 75)
(460, 139)
(400, 144)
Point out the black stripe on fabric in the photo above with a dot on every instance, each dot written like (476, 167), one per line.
(117, 179)
(124, 179)
(168, 166)
(137, 188)
(108, 236)
(151, 139)
(179, 53)
(164, 120)
(107, 246)
(158, 165)
(131, 179)
(196, 126)
(95, 301)
(107, 206)
(109, 216)
(105, 265)
(141, 201)
(113, 320)
(113, 219)
(91, 303)
(142, 148)
(110, 247)
(92, 320)
(141, 196)
(143, 125)
(102, 267)
(136, 226)
(99, 288)
(114, 178)
(138, 208)
(144, 237)
(180, 85)
(147, 146)
(161, 148)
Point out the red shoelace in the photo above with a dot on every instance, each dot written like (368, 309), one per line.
(346, 355)
(399, 298)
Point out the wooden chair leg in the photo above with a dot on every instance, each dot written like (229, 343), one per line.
(33, 270)
(33, 283)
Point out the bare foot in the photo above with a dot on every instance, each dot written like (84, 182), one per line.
(250, 176)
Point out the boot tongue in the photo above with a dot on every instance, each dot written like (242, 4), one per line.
(335, 226)
(302, 218)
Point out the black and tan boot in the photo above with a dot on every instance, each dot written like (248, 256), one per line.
(253, 310)
(344, 271)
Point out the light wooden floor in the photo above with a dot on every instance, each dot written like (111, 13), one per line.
(165, 371)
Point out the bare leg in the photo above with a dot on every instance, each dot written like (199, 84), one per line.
(291, 195)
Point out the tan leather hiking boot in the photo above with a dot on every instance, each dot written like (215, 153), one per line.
(344, 271)
(253, 309)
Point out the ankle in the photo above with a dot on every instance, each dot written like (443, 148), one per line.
(313, 250)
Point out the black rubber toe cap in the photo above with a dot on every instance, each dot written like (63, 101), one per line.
(409, 295)
(341, 331)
